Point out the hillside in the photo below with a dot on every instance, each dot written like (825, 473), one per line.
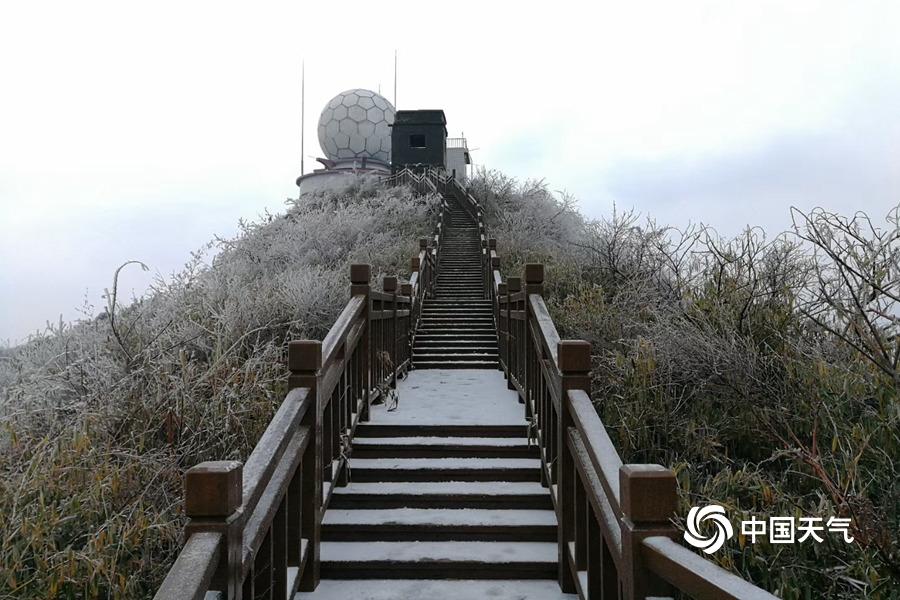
(764, 371)
(101, 417)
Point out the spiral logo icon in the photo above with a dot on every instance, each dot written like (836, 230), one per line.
(723, 529)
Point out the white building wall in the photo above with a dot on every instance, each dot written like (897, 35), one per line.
(456, 160)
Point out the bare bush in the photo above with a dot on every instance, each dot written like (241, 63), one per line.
(98, 419)
(763, 371)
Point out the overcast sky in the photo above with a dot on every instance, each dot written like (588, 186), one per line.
(140, 130)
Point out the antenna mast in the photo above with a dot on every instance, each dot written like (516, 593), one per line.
(302, 114)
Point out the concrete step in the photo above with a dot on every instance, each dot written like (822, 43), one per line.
(443, 447)
(455, 349)
(438, 560)
(382, 430)
(465, 589)
(423, 336)
(445, 469)
(460, 357)
(439, 524)
(454, 364)
(520, 495)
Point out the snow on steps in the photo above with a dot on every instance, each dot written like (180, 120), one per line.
(443, 494)
(419, 589)
(446, 514)
(445, 469)
(447, 447)
(453, 397)
(420, 516)
(443, 487)
(432, 440)
(439, 524)
(444, 560)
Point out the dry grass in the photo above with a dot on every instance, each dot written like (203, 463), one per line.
(764, 371)
(99, 419)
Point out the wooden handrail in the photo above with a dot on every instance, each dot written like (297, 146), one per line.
(259, 466)
(604, 458)
(694, 574)
(337, 335)
(254, 529)
(190, 576)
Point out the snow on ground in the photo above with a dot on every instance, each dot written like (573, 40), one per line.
(440, 516)
(453, 397)
(489, 552)
(403, 589)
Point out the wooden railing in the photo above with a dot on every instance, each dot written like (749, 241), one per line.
(615, 536)
(254, 529)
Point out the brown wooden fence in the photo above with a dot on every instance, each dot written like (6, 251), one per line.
(254, 529)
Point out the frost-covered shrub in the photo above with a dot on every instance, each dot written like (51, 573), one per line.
(99, 419)
(764, 371)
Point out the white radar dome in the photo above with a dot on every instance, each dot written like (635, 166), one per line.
(356, 123)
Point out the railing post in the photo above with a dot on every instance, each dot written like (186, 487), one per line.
(406, 290)
(485, 257)
(415, 266)
(534, 284)
(575, 366)
(493, 262)
(502, 332)
(425, 279)
(212, 500)
(304, 363)
(515, 347)
(648, 501)
(390, 287)
(360, 276)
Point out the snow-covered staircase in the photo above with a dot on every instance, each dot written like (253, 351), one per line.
(446, 487)
(456, 329)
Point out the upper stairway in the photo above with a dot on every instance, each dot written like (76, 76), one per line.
(456, 328)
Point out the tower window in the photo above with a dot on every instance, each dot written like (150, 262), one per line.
(417, 141)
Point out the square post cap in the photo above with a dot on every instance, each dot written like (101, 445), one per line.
(389, 283)
(501, 289)
(574, 356)
(414, 264)
(213, 489)
(423, 243)
(304, 355)
(492, 243)
(514, 284)
(534, 273)
(406, 289)
(360, 273)
(648, 493)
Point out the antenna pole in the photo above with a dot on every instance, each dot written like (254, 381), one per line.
(395, 79)
(302, 115)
